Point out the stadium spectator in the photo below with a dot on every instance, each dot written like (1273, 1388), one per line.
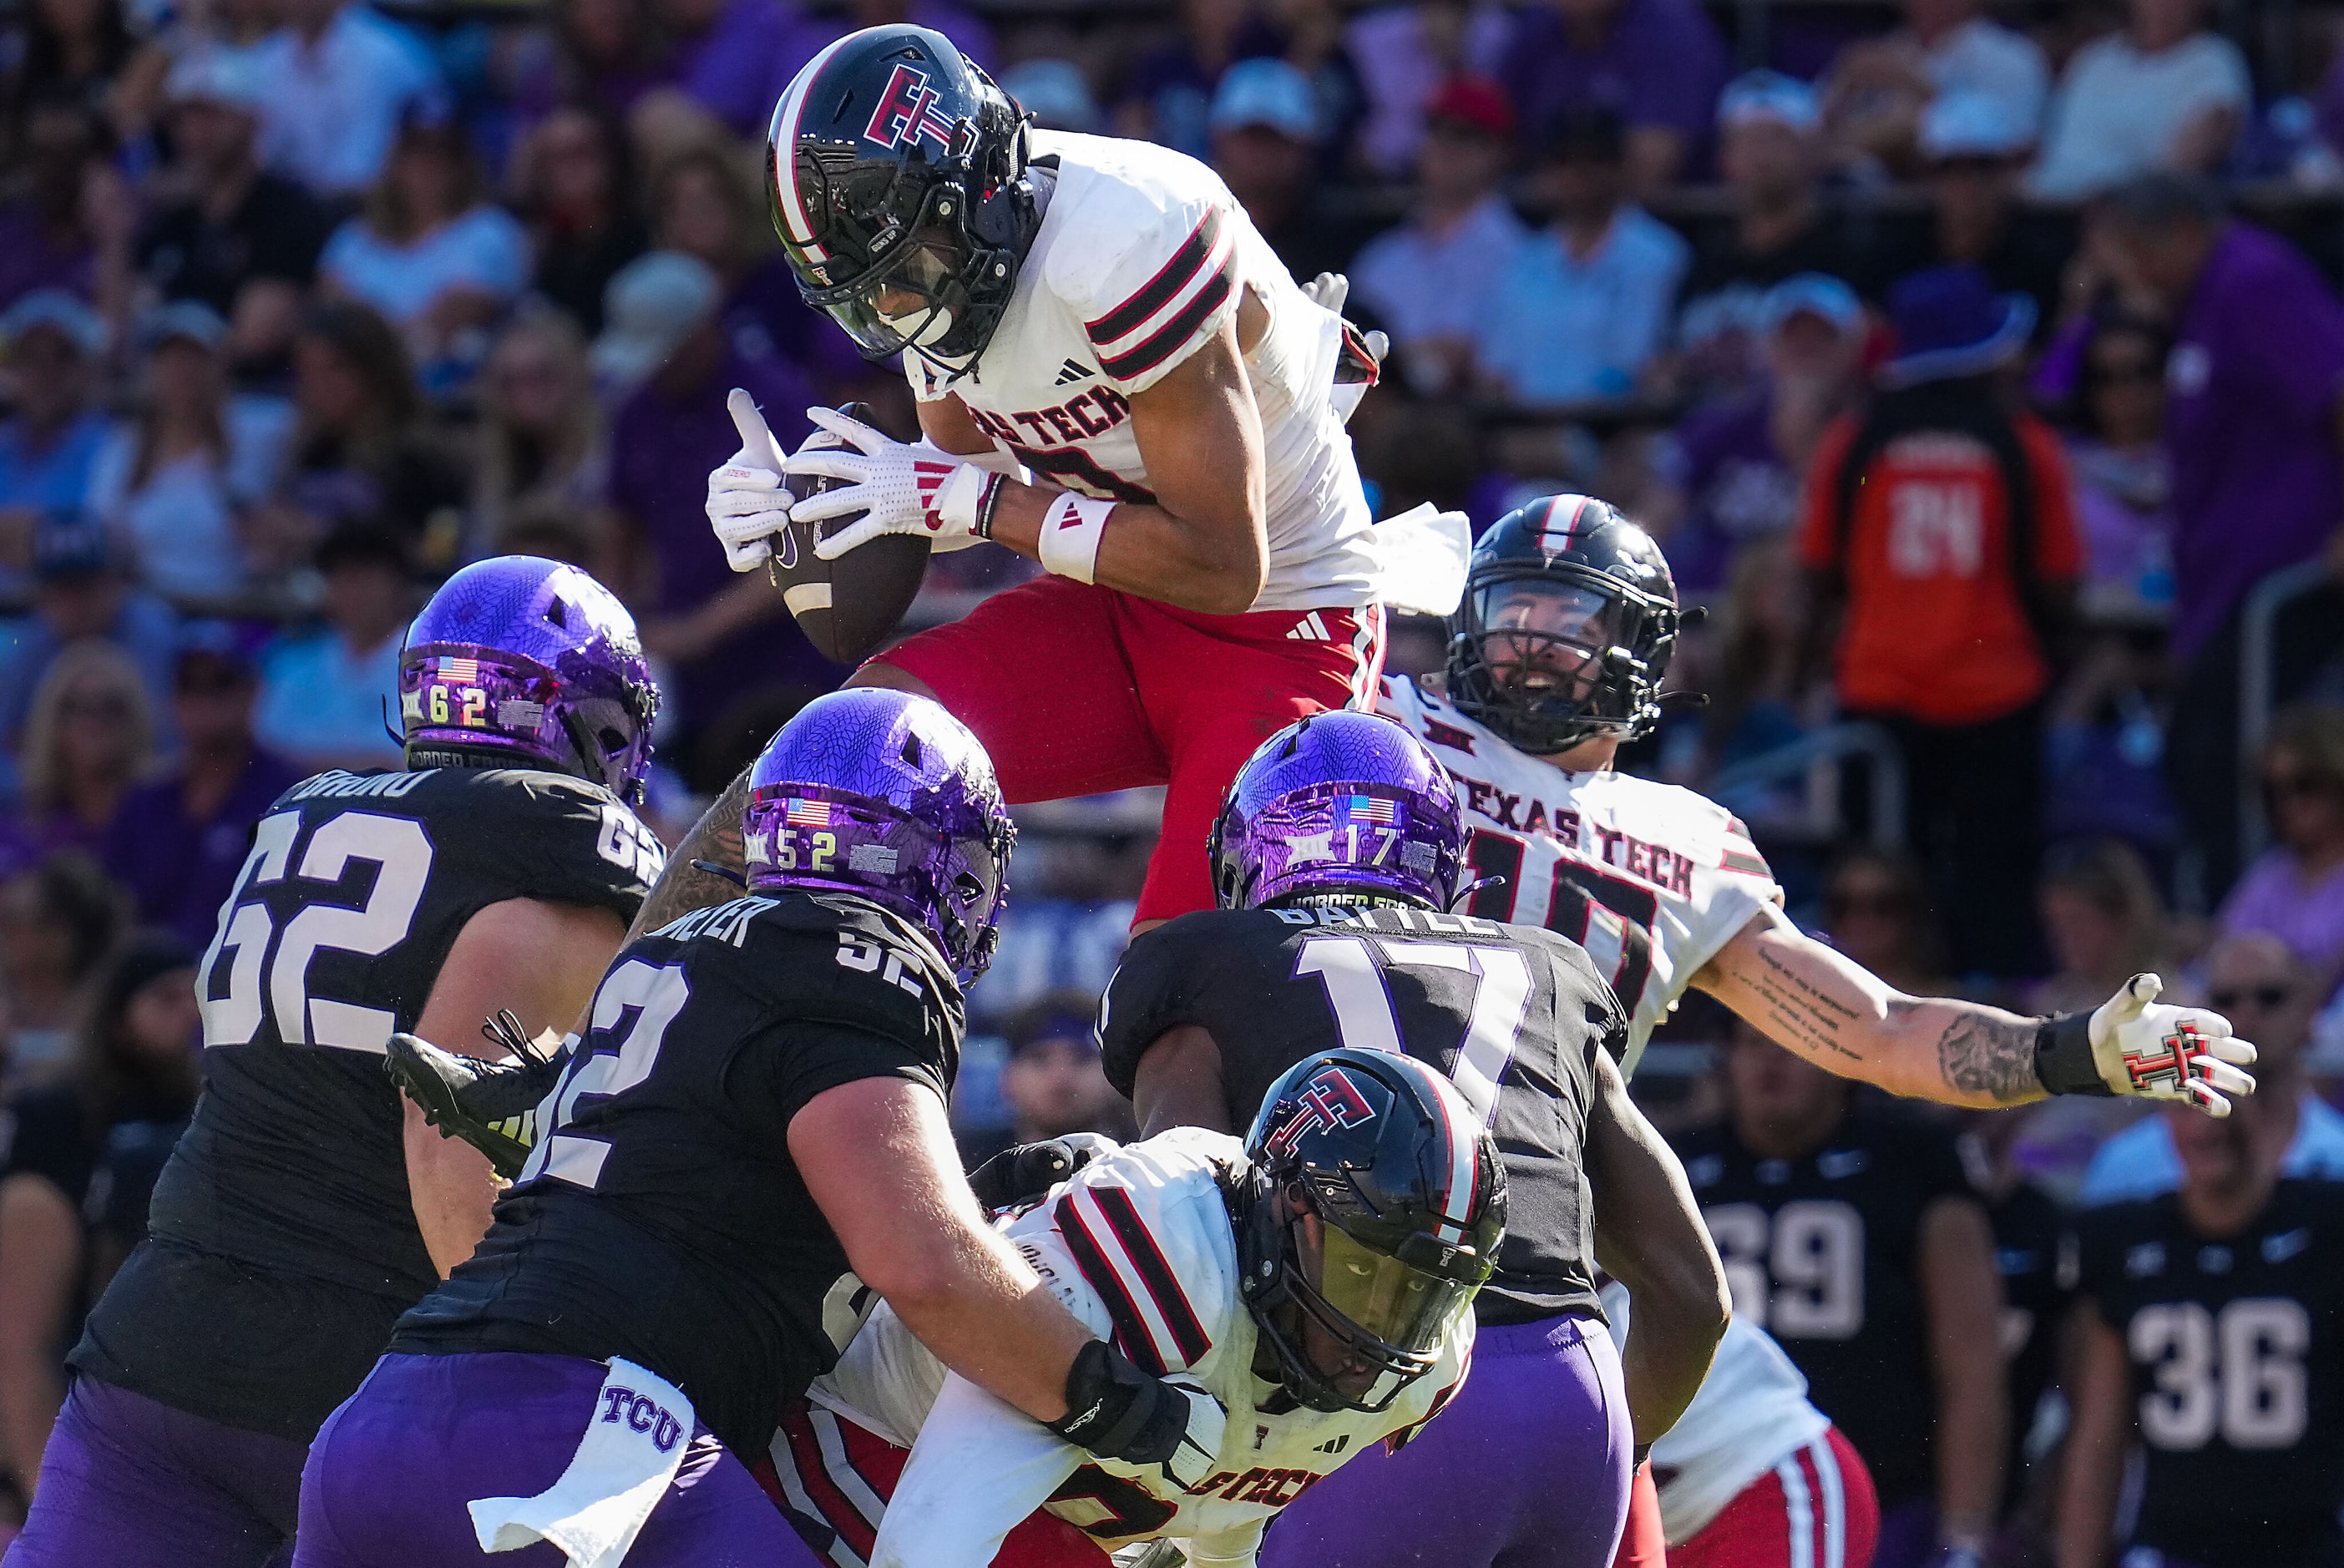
(1056, 95)
(230, 235)
(2251, 423)
(58, 920)
(2161, 93)
(654, 304)
(1971, 151)
(338, 80)
(361, 449)
(71, 223)
(2208, 1335)
(90, 736)
(2124, 482)
(1770, 156)
(541, 451)
(724, 638)
(2269, 995)
(73, 50)
(430, 251)
(133, 1076)
(154, 1015)
(83, 594)
(177, 841)
(2102, 920)
(1658, 64)
(1852, 1235)
(174, 478)
(1429, 280)
(1939, 529)
(1267, 130)
(732, 57)
(2295, 889)
(573, 179)
(1405, 56)
(49, 444)
(2030, 1255)
(1730, 474)
(1755, 701)
(1052, 1084)
(1578, 309)
(602, 54)
(1166, 96)
(1881, 90)
(330, 692)
(1877, 911)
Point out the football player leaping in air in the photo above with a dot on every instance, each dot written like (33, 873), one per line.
(1116, 378)
(1556, 659)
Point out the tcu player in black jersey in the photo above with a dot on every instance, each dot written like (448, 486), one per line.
(305, 1208)
(1853, 1237)
(2214, 1332)
(1334, 859)
(747, 1146)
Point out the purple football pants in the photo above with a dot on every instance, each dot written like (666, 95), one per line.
(132, 1484)
(391, 1470)
(1527, 1468)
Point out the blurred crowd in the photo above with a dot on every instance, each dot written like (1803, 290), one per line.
(1979, 373)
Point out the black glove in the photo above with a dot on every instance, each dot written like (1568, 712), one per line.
(1119, 1412)
(1022, 1172)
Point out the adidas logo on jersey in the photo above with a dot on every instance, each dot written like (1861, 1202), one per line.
(1070, 372)
(1310, 629)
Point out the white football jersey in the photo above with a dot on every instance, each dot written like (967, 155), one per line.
(1651, 879)
(1751, 1414)
(1142, 255)
(1139, 1247)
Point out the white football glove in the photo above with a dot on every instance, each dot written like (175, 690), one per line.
(747, 504)
(900, 487)
(1327, 291)
(2145, 1048)
(1200, 1445)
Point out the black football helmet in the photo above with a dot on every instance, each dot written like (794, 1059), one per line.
(1569, 618)
(897, 175)
(1413, 1201)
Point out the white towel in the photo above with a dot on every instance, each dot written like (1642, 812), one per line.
(1420, 560)
(637, 1437)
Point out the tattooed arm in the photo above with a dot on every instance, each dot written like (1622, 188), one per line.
(683, 887)
(1830, 1009)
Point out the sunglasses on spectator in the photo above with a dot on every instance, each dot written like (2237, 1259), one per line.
(2285, 785)
(2265, 997)
(94, 707)
(2139, 372)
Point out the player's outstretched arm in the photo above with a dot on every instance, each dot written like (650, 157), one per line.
(1204, 545)
(1650, 1237)
(1821, 1003)
(1964, 1293)
(542, 961)
(1179, 1084)
(683, 887)
(2098, 1436)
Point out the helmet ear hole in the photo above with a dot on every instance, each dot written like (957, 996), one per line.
(613, 742)
(557, 610)
(911, 751)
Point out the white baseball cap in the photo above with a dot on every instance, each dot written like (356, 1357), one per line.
(1769, 95)
(1266, 92)
(1963, 122)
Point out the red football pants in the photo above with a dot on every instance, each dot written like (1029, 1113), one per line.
(1076, 690)
(1643, 1543)
(827, 1473)
(1814, 1510)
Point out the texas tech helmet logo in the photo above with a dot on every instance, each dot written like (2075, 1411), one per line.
(907, 113)
(1330, 1101)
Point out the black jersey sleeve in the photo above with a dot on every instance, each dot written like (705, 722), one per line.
(560, 840)
(1154, 989)
(786, 1066)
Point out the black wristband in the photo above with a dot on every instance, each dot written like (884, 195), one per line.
(1119, 1412)
(983, 527)
(2063, 1057)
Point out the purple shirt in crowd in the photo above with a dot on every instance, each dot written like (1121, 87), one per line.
(1736, 486)
(662, 449)
(178, 870)
(2273, 896)
(1661, 64)
(2254, 377)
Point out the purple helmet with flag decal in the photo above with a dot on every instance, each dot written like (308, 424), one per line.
(1338, 802)
(885, 795)
(525, 663)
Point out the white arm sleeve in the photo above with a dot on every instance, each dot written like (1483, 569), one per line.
(1227, 1548)
(979, 1468)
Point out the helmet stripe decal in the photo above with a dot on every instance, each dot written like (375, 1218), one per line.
(795, 216)
(1464, 1145)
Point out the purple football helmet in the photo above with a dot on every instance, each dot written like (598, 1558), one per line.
(520, 661)
(1339, 803)
(885, 795)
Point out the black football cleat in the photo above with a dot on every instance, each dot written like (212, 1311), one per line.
(492, 1106)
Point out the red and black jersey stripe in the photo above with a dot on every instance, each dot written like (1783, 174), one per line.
(1158, 291)
(1175, 332)
(1131, 1333)
(1171, 1302)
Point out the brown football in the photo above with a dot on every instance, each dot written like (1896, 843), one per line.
(848, 607)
